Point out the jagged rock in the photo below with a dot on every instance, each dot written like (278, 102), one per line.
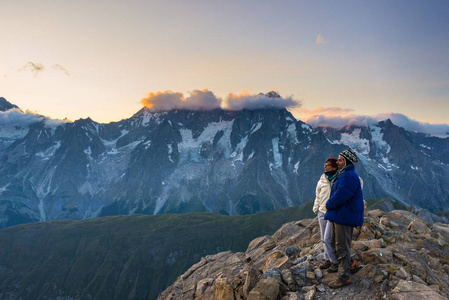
(272, 272)
(386, 265)
(293, 296)
(250, 281)
(369, 244)
(403, 217)
(426, 215)
(369, 271)
(257, 242)
(366, 232)
(270, 245)
(418, 227)
(418, 279)
(290, 251)
(318, 273)
(278, 260)
(408, 290)
(387, 222)
(286, 230)
(442, 232)
(287, 276)
(299, 274)
(360, 246)
(378, 255)
(401, 273)
(376, 213)
(310, 294)
(223, 289)
(385, 205)
(202, 286)
(266, 289)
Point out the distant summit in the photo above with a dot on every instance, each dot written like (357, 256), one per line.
(271, 94)
(5, 105)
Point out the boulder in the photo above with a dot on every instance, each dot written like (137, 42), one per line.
(376, 213)
(266, 289)
(403, 274)
(418, 226)
(287, 230)
(223, 290)
(442, 232)
(377, 255)
(278, 260)
(402, 217)
(251, 280)
(409, 290)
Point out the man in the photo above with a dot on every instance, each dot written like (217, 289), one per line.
(345, 211)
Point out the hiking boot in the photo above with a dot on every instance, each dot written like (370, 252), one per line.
(354, 267)
(326, 265)
(333, 268)
(337, 283)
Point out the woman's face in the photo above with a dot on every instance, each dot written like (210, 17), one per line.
(328, 167)
(341, 162)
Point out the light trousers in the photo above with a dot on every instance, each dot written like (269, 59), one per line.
(325, 231)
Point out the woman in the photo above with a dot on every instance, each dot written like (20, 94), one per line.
(323, 191)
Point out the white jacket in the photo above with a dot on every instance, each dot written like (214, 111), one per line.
(323, 192)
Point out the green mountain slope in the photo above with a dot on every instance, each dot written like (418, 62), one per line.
(122, 257)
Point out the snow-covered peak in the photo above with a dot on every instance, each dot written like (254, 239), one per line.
(5, 105)
(271, 94)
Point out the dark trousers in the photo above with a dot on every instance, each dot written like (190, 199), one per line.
(341, 237)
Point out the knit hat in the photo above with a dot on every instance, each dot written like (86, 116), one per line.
(349, 156)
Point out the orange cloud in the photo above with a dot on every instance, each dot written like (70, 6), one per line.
(206, 100)
(320, 40)
(168, 100)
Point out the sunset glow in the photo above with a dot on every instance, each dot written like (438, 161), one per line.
(105, 59)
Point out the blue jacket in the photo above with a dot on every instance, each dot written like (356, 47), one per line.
(345, 204)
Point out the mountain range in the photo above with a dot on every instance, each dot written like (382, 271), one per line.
(221, 161)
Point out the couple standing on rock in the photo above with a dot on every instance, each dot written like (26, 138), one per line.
(339, 205)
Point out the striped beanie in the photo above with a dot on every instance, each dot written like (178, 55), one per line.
(349, 156)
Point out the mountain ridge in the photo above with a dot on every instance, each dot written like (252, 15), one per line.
(230, 162)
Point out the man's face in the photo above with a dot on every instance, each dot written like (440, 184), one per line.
(341, 162)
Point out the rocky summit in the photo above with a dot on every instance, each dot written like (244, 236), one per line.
(398, 256)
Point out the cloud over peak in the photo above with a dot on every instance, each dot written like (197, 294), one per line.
(168, 100)
(206, 100)
(245, 100)
(337, 117)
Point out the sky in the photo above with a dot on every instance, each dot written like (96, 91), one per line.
(336, 60)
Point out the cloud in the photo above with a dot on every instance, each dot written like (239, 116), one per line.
(61, 68)
(168, 100)
(17, 118)
(320, 40)
(245, 100)
(34, 68)
(206, 100)
(37, 68)
(338, 117)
